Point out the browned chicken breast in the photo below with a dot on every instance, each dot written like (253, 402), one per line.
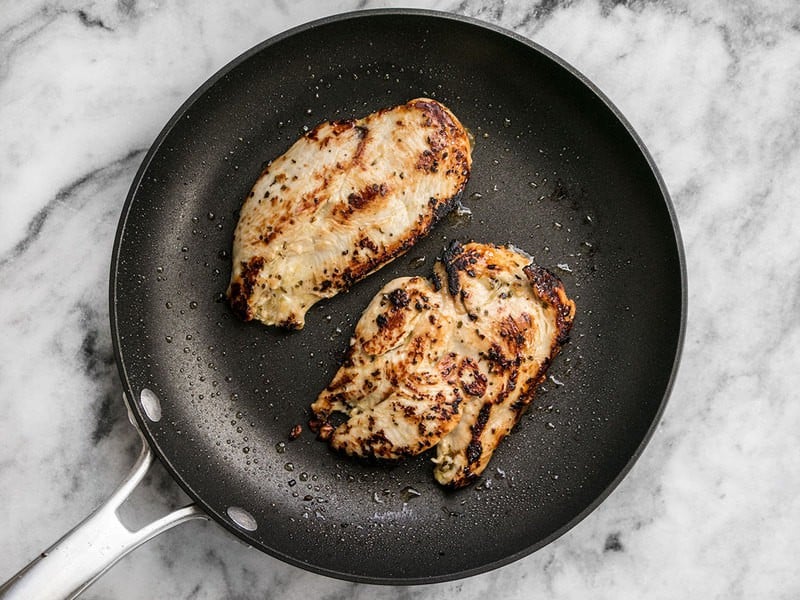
(451, 362)
(344, 200)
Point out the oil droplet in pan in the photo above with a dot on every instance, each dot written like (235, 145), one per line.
(460, 214)
(408, 492)
(470, 139)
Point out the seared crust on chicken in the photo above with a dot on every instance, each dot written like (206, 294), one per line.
(450, 362)
(348, 197)
(397, 399)
(519, 317)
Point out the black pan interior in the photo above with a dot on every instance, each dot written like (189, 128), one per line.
(556, 172)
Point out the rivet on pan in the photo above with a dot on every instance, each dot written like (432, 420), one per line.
(242, 518)
(151, 404)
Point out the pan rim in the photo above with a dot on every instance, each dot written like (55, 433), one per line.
(212, 81)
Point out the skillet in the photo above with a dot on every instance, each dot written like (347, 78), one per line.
(557, 171)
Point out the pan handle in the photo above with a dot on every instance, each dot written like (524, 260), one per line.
(79, 558)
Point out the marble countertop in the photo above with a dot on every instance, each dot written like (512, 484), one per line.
(712, 508)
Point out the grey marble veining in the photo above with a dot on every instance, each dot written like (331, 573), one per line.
(712, 508)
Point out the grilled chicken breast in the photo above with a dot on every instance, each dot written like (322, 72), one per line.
(347, 198)
(450, 362)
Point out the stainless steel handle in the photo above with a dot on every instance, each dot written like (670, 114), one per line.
(79, 558)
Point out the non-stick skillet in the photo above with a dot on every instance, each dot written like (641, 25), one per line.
(557, 172)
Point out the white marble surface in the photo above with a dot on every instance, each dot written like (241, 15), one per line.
(712, 509)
